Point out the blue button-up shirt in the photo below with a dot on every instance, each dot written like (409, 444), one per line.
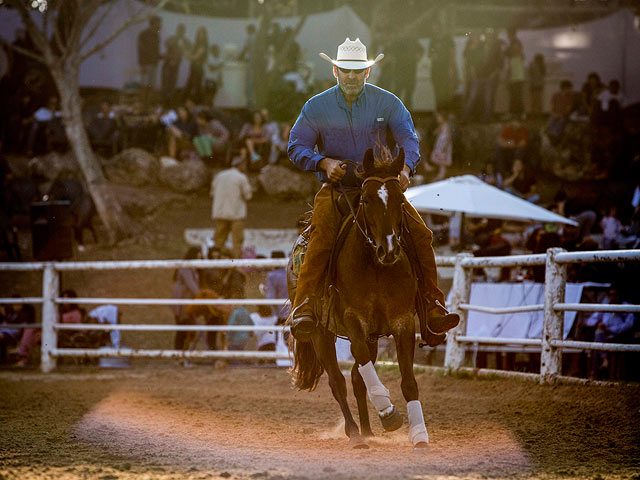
(327, 127)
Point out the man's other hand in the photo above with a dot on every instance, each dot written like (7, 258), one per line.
(334, 168)
(404, 179)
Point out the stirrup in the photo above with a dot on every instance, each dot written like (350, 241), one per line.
(302, 323)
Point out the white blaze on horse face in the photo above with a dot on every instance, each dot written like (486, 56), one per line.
(383, 193)
(390, 242)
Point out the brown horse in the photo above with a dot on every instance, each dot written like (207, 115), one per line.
(374, 296)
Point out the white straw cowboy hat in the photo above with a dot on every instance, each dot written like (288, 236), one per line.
(352, 55)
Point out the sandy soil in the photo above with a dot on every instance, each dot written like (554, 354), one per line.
(169, 423)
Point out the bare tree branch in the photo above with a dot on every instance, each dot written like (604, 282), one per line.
(137, 18)
(22, 51)
(97, 24)
(38, 38)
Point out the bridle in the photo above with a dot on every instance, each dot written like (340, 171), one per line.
(364, 226)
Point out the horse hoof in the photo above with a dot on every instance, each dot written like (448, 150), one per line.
(420, 447)
(392, 421)
(357, 442)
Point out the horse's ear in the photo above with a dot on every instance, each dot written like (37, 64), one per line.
(398, 163)
(367, 162)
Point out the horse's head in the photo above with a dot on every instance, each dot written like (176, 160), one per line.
(381, 204)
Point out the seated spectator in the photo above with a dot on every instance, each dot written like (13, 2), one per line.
(490, 176)
(20, 341)
(212, 139)
(236, 340)
(563, 104)
(279, 144)
(511, 144)
(42, 120)
(71, 313)
(611, 229)
(141, 128)
(103, 129)
(522, 182)
(610, 327)
(491, 243)
(276, 288)
(180, 132)
(107, 314)
(255, 136)
(266, 341)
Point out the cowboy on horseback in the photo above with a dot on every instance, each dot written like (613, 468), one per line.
(330, 137)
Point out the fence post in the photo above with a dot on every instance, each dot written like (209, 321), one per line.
(460, 293)
(50, 287)
(555, 280)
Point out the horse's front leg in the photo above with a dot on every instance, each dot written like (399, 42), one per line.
(378, 394)
(405, 344)
(360, 391)
(325, 348)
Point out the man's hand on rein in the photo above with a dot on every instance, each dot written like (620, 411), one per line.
(404, 178)
(334, 168)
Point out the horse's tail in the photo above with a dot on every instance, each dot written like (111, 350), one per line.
(307, 369)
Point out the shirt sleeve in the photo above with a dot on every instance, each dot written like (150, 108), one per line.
(247, 193)
(405, 135)
(302, 141)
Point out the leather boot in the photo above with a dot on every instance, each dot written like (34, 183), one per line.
(440, 320)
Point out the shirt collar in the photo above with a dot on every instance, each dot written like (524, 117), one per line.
(340, 96)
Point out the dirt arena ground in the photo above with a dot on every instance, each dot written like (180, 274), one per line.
(163, 422)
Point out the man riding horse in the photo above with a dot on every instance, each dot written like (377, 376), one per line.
(330, 137)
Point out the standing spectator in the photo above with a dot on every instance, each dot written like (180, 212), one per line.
(515, 58)
(472, 57)
(611, 229)
(443, 67)
(493, 63)
(442, 152)
(490, 176)
(41, 122)
(537, 73)
(198, 58)
(408, 54)
(563, 104)
(590, 90)
(249, 54)
(175, 47)
(185, 285)
(149, 53)
(213, 75)
(230, 190)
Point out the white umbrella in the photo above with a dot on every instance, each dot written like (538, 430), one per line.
(474, 198)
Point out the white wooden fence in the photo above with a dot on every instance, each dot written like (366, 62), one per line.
(551, 343)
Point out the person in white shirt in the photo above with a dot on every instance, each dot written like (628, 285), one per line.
(266, 340)
(230, 190)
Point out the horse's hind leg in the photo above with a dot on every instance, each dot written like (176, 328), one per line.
(405, 345)
(360, 391)
(326, 351)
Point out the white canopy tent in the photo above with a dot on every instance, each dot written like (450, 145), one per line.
(474, 198)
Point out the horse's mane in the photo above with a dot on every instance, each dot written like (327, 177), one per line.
(382, 162)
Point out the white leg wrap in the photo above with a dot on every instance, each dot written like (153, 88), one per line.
(417, 429)
(378, 394)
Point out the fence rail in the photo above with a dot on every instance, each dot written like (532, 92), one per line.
(551, 344)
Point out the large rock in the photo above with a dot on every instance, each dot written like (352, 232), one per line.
(185, 176)
(287, 184)
(133, 166)
(54, 165)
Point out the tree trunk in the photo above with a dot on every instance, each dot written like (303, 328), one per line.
(116, 221)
